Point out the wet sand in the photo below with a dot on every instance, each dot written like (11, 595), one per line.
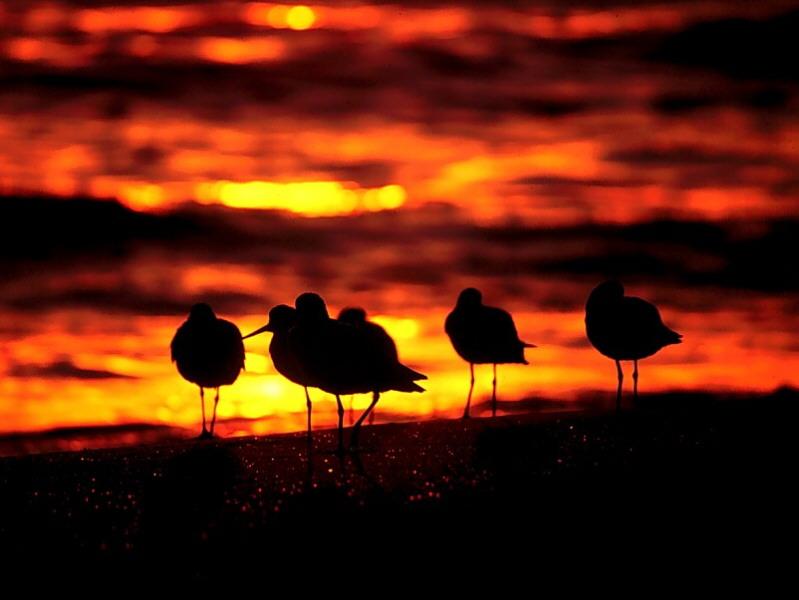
(684, 472)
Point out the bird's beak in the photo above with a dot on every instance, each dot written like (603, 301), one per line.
(257, 331)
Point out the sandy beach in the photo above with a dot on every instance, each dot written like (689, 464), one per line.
(687, 470)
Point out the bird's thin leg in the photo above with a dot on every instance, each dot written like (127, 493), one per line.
(202, 407)
(308, 406)
(357, 427)
(340, 424)
(213, 418)
(471, 388)
(635, 381)
(620, 375)
(494, 393)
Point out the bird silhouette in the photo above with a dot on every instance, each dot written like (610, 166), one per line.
(209, 352)
(281, 319)
(483, 334)
(384, 371)
(340, 358)
(625, 328)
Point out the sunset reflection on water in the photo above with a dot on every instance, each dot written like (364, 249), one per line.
(414, 151)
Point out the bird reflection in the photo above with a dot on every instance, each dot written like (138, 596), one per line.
(483, 334)
(208, 352)
(625, 328)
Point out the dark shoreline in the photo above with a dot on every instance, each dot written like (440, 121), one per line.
(694, 474)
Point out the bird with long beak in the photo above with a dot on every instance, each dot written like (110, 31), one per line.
(340, 358)
(325, 351)
(281, 319)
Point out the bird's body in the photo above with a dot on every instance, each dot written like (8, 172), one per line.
(284, 360)
(625, 327)
(630, 329)
(337, 356)
(282, 319)
(483, 334)
(344, 358)
(382, 371)
(328, 352)
(208, 352)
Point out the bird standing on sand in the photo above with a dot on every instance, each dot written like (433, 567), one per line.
(209, 352)
(340, 358)
(625, 328)
(483, 334)
(385, 372)
(281, 319)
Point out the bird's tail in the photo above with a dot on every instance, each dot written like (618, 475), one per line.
(671, 337)
(407, 386)
(404, 372)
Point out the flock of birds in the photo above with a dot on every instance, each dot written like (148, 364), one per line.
(352, 355)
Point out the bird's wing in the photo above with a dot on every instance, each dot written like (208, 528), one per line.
(646, 317)
(232, 336)
(330, 353)
(640, 311)
(499, 324)
(384, 343)
(178, 344)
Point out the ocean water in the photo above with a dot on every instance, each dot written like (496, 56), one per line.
(387, 155)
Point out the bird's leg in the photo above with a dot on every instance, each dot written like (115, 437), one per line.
(620, 375)
(204, 433)
(357, 427)
(471, 389)
(494, 393)
(309, 406)
(635, 381)
(340, 424)
(213, 418)
(309, 442)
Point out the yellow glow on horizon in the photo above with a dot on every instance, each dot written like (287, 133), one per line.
(281, 16)
(300, 18)
(256, 363)
(144, 195)
(398, 328)
(559, 369)
(318, 198)
(276, 16)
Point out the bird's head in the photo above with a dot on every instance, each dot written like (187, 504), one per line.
(353, 315)
(605, 293)
(281, 319)
(470, 298)
(311, 306)
(201, 312)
